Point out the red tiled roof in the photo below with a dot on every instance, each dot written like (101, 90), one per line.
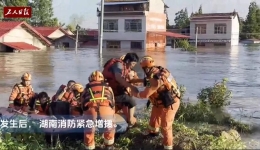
(170, 34)
(20, 46)
(46, 31)
(92, 32)
(6, 27)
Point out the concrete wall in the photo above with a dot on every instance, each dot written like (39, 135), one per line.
(235, 31)
(56, 34)
(19, 34)
(156, 6)
(232, 30)
(121, 34)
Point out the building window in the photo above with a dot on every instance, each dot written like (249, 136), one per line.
(201, 44)
(136, 45)
(110, 26)
(201, 28)
(113, 44)
(133, 25)
(220, 29)
(219, 44)
(66, 44)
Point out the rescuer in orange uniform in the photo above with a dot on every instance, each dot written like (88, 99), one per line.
(21, 94)
(162, 91)
(64, 92)
(116, 72)
(98, 102)
(75, 103)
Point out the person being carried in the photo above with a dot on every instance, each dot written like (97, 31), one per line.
(21, 94)
(162, 91)
(98, 104)
(116, 72)
(64, 92)
(40, 103)
(75, 102)
(132, 75)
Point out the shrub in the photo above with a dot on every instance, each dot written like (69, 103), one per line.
(209, 108)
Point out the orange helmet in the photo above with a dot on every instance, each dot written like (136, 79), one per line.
(26, 77)
(122, 57)
(96, 76)
(77, 87)
(147, 61)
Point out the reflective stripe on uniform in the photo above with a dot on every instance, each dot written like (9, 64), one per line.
(109, 142)
(102, 98)
(90, 147)
(168, 147)
(154, 129)
(11, 102)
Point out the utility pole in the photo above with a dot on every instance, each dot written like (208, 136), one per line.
(196, 39)
(77, 38)
(101, 22)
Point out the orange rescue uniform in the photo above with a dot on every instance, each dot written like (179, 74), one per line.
(20, 96)
(98, 103)
(161, 116)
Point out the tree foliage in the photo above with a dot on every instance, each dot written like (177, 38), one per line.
(251, 26)
(200, 10)
(182, 19)
(43, 13)
(5, 3)
(75, 20)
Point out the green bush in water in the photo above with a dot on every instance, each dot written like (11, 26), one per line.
(185, 45)
(210, 107)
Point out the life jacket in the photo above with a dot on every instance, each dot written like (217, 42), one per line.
(19, 99)
(168, 91)
(97, 94)
(110, 77)
(39, 107)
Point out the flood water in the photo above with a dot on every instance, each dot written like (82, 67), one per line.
(240, 64)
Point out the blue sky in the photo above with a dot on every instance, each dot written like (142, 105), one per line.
(63, 9)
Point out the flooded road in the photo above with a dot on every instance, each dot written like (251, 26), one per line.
(240, 64)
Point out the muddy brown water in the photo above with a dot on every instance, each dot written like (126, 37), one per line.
(240, 64)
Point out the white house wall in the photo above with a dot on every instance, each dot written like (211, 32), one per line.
(121, 34)
(156, 6)
(56, 34)
(19, 34)
(210, 30)
(235, 31)
(232, 30)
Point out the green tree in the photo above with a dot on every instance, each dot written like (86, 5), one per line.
(200, 10)
(43, 13)
(250, 27)
(241, 26)
(182, 19)
(4, 3)
(69, 27)
(75, 20)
